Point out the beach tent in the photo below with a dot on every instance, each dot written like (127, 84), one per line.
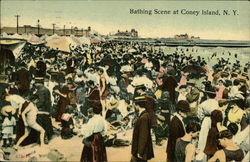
(52, 37)
(5, 35)
(10, 49)
(26, 36)
(45, 37)
(35, 40)
(76, 40)
(84, 40)
(14, 45)
(102, 39)
(16, 36)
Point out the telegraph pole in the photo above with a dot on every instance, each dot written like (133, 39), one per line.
(54, 25)
(17, 17)
(38, 27)
(64, 30)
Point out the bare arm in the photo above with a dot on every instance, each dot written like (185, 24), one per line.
(190, 151)
(59, 93)
(104, 85)
(219, 155)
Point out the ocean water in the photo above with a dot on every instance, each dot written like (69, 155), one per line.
(243, 54)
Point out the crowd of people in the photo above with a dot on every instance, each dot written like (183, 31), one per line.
(99, 90)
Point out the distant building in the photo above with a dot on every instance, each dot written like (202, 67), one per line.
(125, 34)
(42, 31)
(185, 36)
(181, 36)
(193, 37)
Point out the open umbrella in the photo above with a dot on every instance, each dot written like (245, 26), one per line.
(95, 40)
(35, 40)
(62, 43)
(193, 69)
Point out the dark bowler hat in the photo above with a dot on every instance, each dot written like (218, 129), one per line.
(183, 106)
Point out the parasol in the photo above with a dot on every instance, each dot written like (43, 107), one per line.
(62, 43)
(35, 40)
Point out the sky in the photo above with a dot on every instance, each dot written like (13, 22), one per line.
(109, 16)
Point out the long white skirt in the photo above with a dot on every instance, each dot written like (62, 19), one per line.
(205, 126)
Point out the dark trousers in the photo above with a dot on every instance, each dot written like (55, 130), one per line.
(136, 159)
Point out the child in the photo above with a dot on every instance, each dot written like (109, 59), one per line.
(8, 125)
(67, 124)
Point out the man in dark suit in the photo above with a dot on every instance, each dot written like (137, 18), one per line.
(142, 146)
(43, 103)
(169, 85)
(176, 128)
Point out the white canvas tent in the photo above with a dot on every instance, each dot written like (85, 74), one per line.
(16, 36)
(26, 36)
(5, 35)
(14, 45)
(84, 40)
(52, 37)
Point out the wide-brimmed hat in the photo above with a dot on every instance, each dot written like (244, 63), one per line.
(70, 75)
(112, 104)
(124, 75)
(6, 109)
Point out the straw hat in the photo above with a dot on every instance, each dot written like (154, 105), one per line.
(39, 80)
(124, 75)
(112, 104)
(70, 75)
(140, 99)
(6, 109)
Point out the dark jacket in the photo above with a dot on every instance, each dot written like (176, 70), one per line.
(44, 99)
(176, 130)
(142, 141)
(169, 84)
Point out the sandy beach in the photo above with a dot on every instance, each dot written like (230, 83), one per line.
(71, 149)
